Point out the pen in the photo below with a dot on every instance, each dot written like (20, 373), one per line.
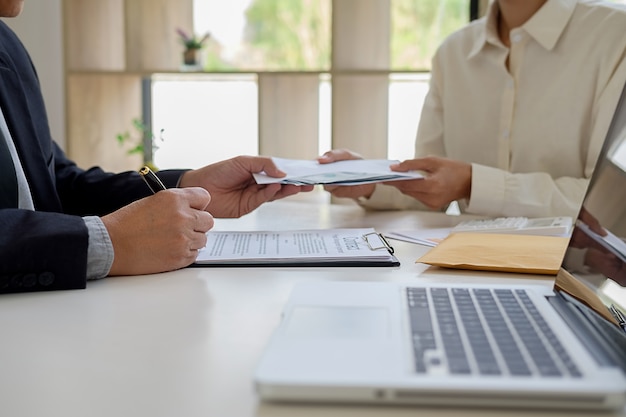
(153, 182)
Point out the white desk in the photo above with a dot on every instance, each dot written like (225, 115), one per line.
(186, 343)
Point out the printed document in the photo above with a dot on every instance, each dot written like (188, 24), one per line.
(300, 247)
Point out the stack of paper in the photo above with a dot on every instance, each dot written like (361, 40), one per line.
(331, 247)
(351, 172)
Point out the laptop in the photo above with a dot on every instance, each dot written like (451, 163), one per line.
(471, 345)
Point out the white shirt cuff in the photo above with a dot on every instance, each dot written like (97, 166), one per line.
(488, 189)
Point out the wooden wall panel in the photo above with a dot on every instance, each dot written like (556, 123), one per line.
(100, 107)
(360, 85)
(151, 40)
(360, 113)
(360, 34)
(94, 34)
(289, 115)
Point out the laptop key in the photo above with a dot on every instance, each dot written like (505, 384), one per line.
(526, 331)
(565, 358)
(482, 322)
(506, 344)
(450, 334)
(422, 332)
(481, 347)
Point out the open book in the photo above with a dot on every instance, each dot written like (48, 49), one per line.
(331, 247)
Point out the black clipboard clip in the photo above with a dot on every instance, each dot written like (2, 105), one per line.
(380, 244)
(619, 316)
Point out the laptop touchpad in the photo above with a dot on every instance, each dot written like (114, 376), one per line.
(338, 323)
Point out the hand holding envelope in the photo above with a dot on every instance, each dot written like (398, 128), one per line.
(348, 172)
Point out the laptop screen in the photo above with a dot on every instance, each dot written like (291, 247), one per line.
(596, 255)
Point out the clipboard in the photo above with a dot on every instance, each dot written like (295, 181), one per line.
(351, 247)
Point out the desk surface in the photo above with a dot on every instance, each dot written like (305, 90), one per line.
(186, 343)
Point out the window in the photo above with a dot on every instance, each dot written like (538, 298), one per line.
(297, 78)
(419, 27)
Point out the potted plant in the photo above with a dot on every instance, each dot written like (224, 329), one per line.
(193, 45)
(135, 142)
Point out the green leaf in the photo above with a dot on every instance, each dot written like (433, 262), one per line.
(136, 149)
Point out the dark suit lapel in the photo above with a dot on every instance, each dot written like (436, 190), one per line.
(31, 137)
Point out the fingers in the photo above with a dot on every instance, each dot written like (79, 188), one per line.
(256, 195)
(193, 242)
(351, 191)
(354, 191)
(190, 205)
(198, 198)
(233, 188)
(229, 175)
(427, 164)
(259, 164)
(338, 155)
(159, 233)
(203, 221)
(194, 216)
(445, 180)
(434, 191)
(288, 190)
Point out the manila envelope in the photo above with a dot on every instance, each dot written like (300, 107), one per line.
(499, 252)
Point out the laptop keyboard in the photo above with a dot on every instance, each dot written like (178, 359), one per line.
(483, 331)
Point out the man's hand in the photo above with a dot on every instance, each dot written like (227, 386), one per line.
(159, 233)
(352, 191)
(234, 192)
(446, 180)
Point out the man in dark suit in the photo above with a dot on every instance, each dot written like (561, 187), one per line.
(61, 225)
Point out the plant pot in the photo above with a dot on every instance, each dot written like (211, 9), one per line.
(191, 60)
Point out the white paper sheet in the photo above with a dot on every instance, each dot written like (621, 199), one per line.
(351, 172)
(427, 237)
(306, 246)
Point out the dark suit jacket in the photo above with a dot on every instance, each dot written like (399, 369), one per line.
(46, 249)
